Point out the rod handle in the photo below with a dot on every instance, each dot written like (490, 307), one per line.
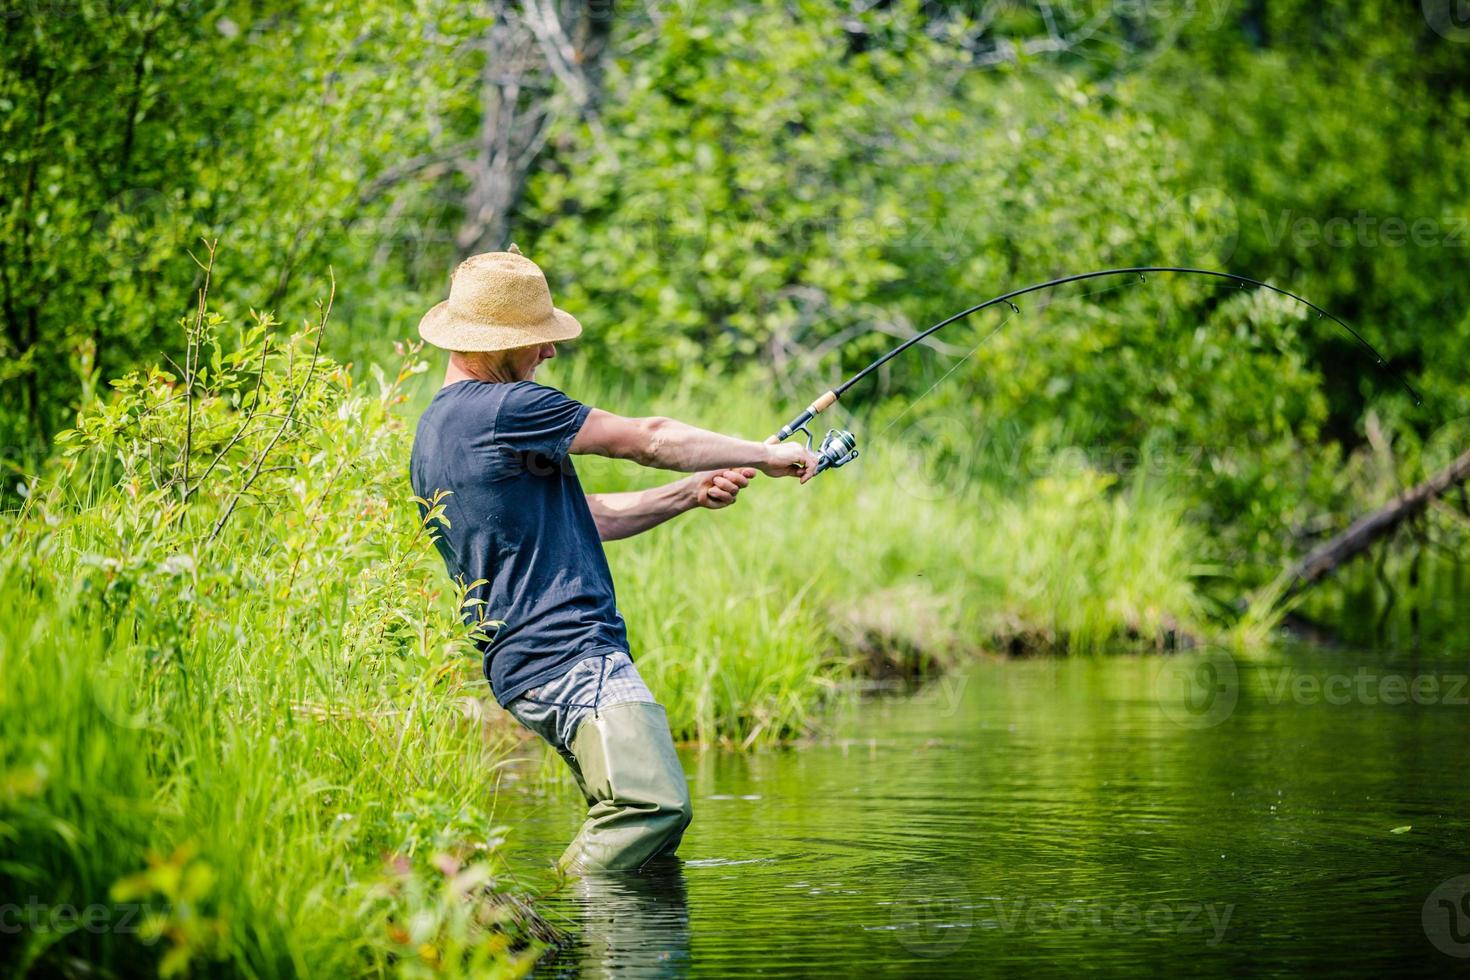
(812, 411)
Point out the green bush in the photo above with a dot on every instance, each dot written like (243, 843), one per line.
(231, 695)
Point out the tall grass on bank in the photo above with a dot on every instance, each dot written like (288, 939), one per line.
(237, 718)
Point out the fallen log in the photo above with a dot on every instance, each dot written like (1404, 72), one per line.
(1361, 534)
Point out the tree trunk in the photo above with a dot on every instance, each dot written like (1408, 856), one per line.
(1326, 558)
(542, 57)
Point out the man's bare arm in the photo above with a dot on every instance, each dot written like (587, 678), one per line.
(668, 444)
(622, 515)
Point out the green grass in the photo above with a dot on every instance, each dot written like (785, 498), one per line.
(269, 731)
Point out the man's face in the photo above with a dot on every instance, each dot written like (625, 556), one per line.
(523, 361)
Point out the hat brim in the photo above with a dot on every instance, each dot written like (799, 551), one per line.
(443, 328)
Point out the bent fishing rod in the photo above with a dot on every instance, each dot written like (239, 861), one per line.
(839, 447)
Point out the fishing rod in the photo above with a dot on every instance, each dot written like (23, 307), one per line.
(838, 447)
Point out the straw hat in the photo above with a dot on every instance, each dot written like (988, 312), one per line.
(497, 301)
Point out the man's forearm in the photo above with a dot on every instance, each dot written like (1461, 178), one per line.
(622, 515)
(675, 445)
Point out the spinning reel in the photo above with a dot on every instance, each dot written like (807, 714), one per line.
(838, 448)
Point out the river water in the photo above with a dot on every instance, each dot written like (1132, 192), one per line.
(1205, 813)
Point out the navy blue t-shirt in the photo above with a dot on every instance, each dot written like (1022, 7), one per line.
(518, 519)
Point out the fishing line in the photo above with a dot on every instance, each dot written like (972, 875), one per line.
(1125, 284)
(839, 447)
(952, 370)
(1141, 272)
(1015, 311)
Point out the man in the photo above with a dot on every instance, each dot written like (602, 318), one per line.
(516, 518)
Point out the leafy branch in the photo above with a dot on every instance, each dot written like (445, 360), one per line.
(286, 422)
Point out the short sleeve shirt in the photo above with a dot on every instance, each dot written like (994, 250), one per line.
(519, 521)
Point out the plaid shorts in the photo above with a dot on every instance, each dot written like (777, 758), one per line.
(556, 708)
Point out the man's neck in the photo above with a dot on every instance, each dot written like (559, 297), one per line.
(462, 370)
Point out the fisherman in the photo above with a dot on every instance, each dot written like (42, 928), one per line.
(557, 656)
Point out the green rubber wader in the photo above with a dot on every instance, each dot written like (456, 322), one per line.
(637, 796)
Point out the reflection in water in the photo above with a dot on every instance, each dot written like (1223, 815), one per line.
(626, 924)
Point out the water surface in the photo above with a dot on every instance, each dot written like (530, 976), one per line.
(1204, 814)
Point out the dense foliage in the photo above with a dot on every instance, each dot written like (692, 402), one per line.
(130, 131)
(796, 206)
(785, 188)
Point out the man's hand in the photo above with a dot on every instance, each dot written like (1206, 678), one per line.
(790, 459)
(718, 488)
